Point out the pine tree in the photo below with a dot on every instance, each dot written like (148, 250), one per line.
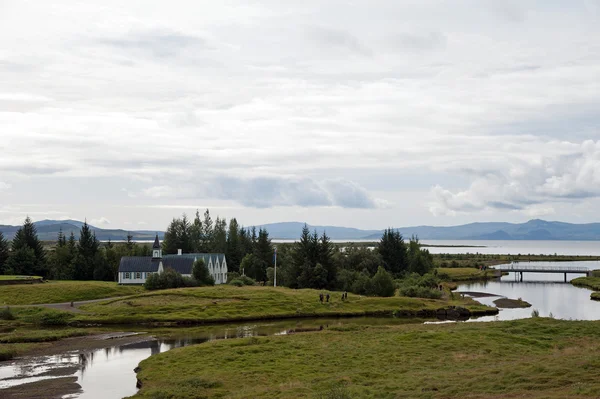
(233, 247)
(393, 252)
(264, 252)
(4, 253)
(207, 233)
(219, 236)
(196, 233)
(26, 237)
(326, 259)
(87, 249)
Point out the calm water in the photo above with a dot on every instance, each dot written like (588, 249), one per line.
(515, 247)
(546, 292)
(108, 373)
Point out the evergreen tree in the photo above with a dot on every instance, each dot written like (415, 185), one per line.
(130, 244)
(264, 252)
(219, 236)
(201, 274)
(61, 260)
(253, 267)
(393, 252)
(196, 233)
(87, 249)
(326, 260)
(207, 233)
(4, 253)
(178, 237)
(22, 261)
(420, 260)
(26, 237)
(246, 246)
(233, 251)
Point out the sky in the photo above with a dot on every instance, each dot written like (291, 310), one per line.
(367, 114)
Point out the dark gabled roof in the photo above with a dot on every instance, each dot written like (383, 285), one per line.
(203, 256)
(138, 264)
(156, 243)
(182, 265)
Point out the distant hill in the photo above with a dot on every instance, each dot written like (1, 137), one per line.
(532, 230)
(48, 231)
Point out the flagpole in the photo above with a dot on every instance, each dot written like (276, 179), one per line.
(275, 276)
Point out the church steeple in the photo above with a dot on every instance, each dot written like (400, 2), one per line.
(156, 249)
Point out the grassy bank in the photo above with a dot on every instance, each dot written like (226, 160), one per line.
(587, 282)
(458, 274)
(63, 291)
(533, 358)
(229, 303)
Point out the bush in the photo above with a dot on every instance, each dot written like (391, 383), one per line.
(237, 283)
(7, 314)
(382, 283)
(55, 319)
(201, 273)
(168, 279)
(232, 276)
(415, 291)
(247, 280)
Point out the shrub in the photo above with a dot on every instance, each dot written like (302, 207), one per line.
(247, 280)
(382, 283)
(237, 283)
(201, 273)
(415, 291)
(168, 279)
(535, 313)
(55, 319)
(7, 314)
(232, 276)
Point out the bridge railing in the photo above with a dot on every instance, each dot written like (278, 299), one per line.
(561, 269)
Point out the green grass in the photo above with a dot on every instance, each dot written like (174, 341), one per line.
(595, 296)
(533, 358)
(7, 277)
(587, 282)
(62, 291)
(464, 274)
(229, 303)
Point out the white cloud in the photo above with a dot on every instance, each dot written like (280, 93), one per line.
(4, 186)
(101, 221)
(167, 97)
(527, 184)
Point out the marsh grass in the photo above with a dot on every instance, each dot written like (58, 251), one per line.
(229, 303)
(62, 291)
(533, 358)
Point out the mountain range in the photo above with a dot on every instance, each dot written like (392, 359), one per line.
(531, 230)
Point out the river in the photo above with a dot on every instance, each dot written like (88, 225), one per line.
(109, 372)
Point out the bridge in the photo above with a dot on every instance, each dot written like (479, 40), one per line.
(519, 269)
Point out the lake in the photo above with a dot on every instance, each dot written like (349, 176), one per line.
(546, 292)
(515, 247)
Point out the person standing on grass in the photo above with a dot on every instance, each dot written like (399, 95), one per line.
(321, 297)
(327, 297)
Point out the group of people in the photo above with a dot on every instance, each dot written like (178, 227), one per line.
(326, 297)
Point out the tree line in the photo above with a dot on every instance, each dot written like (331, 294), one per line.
(311, 262)
(85, 258)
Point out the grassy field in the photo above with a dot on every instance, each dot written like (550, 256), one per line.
(464, 274)
(533, 358)
(62, 291)
(8, 277)
(229, 303)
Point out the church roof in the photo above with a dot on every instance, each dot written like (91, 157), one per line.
(180, 264)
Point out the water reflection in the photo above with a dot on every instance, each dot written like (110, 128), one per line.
(546, 292)
(109, 372)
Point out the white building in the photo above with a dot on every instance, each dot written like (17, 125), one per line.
(136, 269)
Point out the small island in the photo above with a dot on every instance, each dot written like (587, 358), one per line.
(508, 303)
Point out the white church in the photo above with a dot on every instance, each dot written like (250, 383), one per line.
(136, 269)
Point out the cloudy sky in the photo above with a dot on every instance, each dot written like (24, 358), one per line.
(356, 113)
